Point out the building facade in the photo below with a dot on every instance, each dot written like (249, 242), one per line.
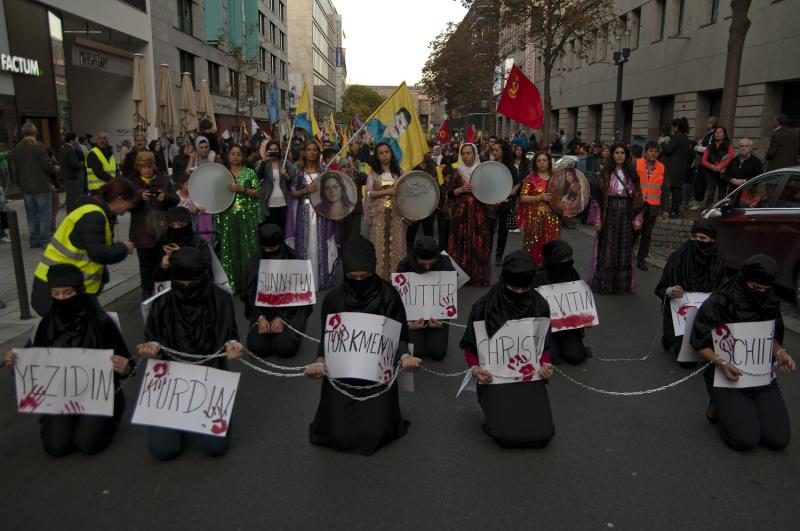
(316, 57)
(82, 81)
(239, 46)
(676, 68)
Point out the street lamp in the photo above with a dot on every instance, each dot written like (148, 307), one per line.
(620, 58)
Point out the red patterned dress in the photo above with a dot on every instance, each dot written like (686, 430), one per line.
(471, 231)
(537, 220)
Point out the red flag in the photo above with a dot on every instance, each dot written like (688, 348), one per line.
(470, 134)
(521, 100)
(443, 135)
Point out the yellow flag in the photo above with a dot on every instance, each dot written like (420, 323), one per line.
(304, 115)
(396, 123)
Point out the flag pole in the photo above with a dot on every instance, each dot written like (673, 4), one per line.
(288, 146)
(350, 140)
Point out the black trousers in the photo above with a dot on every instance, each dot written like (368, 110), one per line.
(86, 434)
(351, 227)
(166, 444)
(517, 414)
(749, 417)
(568, 346)
(648, 224)
(443, 229)
(427, 229)
(675, 203)
(700, 183)
(284, 345)
(503, 213)
(715, 188)
(669, 340)
(75, 192)
(276, 215)
(148, 260)
(430, 343)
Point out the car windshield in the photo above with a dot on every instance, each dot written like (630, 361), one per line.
(790, 195)
(758, 193)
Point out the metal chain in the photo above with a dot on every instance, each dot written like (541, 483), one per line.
(650, 349)
(268, 372)
(336, 383)
(631, 393)
(444, 374)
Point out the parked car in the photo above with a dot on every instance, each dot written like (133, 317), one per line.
(763, 216)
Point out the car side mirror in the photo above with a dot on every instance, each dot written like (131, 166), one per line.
(725, 205)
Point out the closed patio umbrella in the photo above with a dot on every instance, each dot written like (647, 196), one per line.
(141, 107)
(188, 107)
(206, 110)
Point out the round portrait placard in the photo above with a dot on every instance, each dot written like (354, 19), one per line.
(335, 197)
(570, 192)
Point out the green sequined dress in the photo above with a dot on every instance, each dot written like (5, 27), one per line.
(238, 230)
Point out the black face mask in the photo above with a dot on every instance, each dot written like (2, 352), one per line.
(360, 287)
(69, 309)
(704, 248)
(560, 266)
(517, 297)
(180, 234)
(270, 254)
(190, 293)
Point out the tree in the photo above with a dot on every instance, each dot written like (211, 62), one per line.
(361, 100)
(550, 26)
(740, 24)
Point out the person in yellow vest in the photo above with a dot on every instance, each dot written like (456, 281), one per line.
(84, 239)
(655, 192)
(101, 166)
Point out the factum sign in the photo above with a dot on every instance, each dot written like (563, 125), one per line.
(19, 65)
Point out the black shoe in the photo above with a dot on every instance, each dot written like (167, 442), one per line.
(641, 264)
(711, 414)
(498, 261)
(588, 352)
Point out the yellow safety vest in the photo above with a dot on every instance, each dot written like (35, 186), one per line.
(60, 250)
(109, 166)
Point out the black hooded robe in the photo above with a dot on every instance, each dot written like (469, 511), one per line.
(87, 326)
(287, 343)
(750, 416)
(517, 414)
(345, 424)
(428, 342)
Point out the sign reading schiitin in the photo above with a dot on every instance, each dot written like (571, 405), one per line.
(361, 345)
(186, 397)
(571, 305)
(748, 347)
(64, 381)
(285, 283)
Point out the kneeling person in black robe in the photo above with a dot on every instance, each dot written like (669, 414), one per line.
(746, 416)
(75, 320)
(179, 234)
(342, 423)
(429, 337)
(517, 414)
(696, 267)
(268, 336)
(558, 267)
(195, 317)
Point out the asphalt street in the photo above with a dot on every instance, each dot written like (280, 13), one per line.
(645, 462)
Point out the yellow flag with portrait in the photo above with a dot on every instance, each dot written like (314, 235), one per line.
(396, 123)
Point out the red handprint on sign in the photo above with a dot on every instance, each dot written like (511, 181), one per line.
(400, 280)
(219, 426)
(334, 321)
(33, 399)
(159, 370)
(449, 305)
(523, 366)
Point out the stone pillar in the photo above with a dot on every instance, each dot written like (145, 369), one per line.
(607, 127)
(756, 107)
(687, 104)
(643, 118)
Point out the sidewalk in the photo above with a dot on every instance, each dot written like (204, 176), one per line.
(658, 258)
(124, 276)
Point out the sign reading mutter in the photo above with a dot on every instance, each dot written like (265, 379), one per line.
(431, 295)
(361, 345)
(513, 353)
(571, 305)
(748, 346)
(64, 381)
(186, 397)
(680, 309)
(285, 283)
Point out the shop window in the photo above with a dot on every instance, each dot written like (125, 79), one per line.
(185, 16)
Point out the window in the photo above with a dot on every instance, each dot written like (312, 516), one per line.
(714, 12)
(213, 77)
(758, 193)
(272, 33)
(262, 59)
(634, 21)
(187, 62)
(660, 20)
(264, 96)
(272, 5)
(681, 12)
(273, 64)
(251, 86)
(283, 70)
(185, 16)
(262, 25)
(282, 10)
(282, 43)
(233, 82)
(790, 195)
(283, 99)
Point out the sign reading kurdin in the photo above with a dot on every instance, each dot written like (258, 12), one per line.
(361, 345)
(64, 381)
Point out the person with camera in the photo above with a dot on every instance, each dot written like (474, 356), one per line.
(154, 196)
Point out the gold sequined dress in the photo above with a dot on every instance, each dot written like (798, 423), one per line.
(537, 220)
(387, 228)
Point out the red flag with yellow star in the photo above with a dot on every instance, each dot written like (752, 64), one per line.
(521, 100)
(443, 135)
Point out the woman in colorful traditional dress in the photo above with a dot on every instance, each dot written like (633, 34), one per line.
(537, 220)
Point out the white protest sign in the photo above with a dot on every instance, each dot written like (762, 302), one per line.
(687, 353)
(748, 346)
(679, 307)
(64, 381)
(361, 345)
(285, 283)
(571, 305)
(186, 397)
(512, 353)
(148, 303)
(463, 277)
(431, 295)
